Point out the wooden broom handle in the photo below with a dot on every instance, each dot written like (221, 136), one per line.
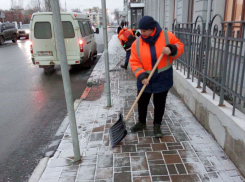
(143, 88)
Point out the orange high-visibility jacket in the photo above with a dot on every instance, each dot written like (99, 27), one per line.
(121, 37)
(142, 62)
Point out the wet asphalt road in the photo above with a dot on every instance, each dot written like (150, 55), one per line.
(32, 107)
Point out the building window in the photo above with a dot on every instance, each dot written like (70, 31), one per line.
(235, 11)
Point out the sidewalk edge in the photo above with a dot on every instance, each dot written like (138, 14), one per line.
(38, 171)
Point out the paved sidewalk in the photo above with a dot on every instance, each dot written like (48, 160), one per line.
(186, 152)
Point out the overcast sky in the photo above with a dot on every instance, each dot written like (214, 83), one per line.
(72, 4)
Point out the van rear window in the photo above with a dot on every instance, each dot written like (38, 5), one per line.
(68, 29)
(42, 30)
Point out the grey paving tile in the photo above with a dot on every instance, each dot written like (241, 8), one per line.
(122, 177)
(156, 162)
(181, 168)
(228, 165)
(128, 148)
(86, 172)
(187, 153)
(65, 179)
(145, 140)
(141, 179)
(120, 162)
(104, 180)
(180, 137)
(224, 176)
(187, 177)
(53, 163)
(139, 164)
(144, 148)
(122, 169)
(154, 155)
(49, 180)
(104, 173)
(214, 177)
(237, 179)
(233, 173)
(204, 177)
(138, 154)
(195, 168)
(158, 170)
(119, 155)
(160, 178)
(105, 161)
(172, 169)
(190, 160)
(140, 173)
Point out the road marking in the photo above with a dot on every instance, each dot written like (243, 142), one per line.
(85, 93)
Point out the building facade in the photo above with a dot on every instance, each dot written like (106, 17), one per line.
(183, 11)
(95, 18)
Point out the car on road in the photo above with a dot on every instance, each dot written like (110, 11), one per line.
(24, 31)
(79, 39)
(8, 32)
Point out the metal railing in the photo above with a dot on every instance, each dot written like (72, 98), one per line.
(214, 57)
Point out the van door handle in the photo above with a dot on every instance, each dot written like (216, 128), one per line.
(88, 42)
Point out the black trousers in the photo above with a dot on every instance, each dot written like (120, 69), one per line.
(159, 101)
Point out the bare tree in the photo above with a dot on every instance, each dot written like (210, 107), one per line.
(33, 5)
(47, 6)
(116, 14)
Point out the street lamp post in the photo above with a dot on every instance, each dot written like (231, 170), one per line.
(105, 36)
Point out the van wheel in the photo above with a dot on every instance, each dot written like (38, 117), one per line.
(88, 63)
(1, 40)
(95, 55)
(48, 69)
(14, 38)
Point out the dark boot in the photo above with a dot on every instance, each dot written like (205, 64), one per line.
(157, 131)
(138, 127)
(124, 66)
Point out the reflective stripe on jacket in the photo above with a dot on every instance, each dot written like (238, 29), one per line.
(143, 58)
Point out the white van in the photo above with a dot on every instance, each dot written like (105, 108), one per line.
(79, 38)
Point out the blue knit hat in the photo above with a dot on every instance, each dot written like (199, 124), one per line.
(146, 23)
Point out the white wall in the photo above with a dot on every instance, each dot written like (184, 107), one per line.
(162, 14)
(169, 4)
(200, 9)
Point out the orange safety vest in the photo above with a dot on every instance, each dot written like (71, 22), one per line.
(121, 37)
(140, 60)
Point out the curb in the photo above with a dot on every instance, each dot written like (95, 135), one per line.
(38, 171)
(85, 93)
